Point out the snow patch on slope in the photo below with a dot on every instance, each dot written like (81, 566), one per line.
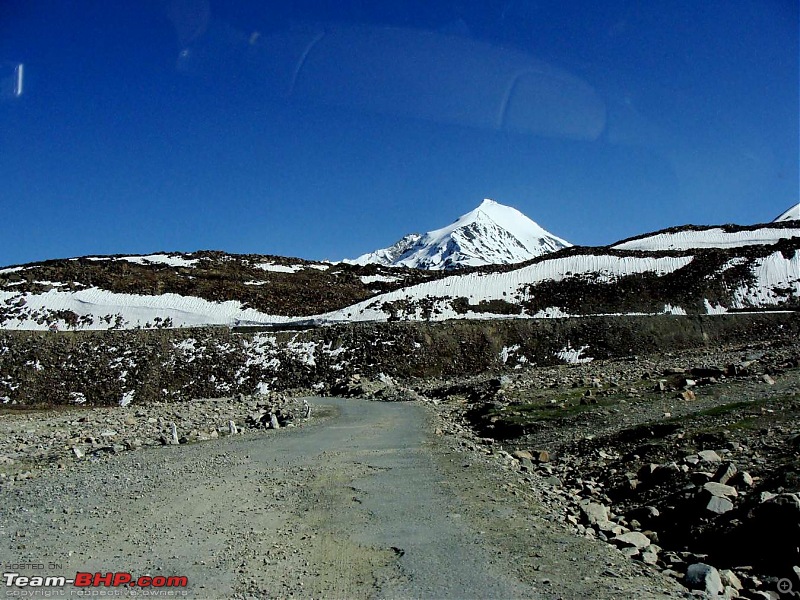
(477, 287)
(136, 310)
(161, 259)
(574, 356)
(149, 259)
(367, 279)
(777, 279)
(276, 268)
(708, 238)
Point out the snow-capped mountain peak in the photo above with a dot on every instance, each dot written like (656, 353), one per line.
(492, 233)
(792, 214)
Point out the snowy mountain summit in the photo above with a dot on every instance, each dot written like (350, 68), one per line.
(489, 235)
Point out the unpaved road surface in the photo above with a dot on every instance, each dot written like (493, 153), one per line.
(368, 501)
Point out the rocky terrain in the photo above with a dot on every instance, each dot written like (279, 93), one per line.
(683, 459)
(114, 367)
(687, 461)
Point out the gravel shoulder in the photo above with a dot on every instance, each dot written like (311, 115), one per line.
(370, 499)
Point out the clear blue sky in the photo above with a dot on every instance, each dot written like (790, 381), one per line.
(329, 129)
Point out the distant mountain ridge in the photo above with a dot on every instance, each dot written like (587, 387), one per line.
(491, 234)
(709, 269)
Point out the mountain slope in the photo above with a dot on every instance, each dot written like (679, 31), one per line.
(685, 270)
(490, 234)
(184, 290)
(691, 237)
(602, 281)
(792, 214)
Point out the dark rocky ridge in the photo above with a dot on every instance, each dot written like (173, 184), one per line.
(182, 364)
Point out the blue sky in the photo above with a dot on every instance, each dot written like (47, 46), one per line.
(325, 130)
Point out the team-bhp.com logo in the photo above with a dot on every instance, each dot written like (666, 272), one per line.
(95, 580)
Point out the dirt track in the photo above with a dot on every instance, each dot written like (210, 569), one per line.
(367, 502)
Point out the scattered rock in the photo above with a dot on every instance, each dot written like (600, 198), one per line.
(725, 472)
(709, 456)
(720, 489)
(706, 578)
(730, 580)
(719, 505)
(595, 514)
(632, 538)
(173, 434)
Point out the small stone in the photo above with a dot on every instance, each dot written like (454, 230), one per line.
(173, 434)
(594, 513)
(520, 454)
(729, 579)
(767, 379)
(77, 452)
(687, 395)
(720, 489)
(766, 496)
(554, 481)
(232, 429)
(706, 578)
(649, 558)
(725, 472)
(709, 456)
(671, 573)
(632, 538)
(719, 505)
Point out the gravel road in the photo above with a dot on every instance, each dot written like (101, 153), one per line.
(369, 500)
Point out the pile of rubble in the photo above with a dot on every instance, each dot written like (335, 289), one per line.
(31, 439)
(383, 388)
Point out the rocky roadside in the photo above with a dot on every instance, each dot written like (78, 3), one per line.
(32, 441)
(688, 462)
